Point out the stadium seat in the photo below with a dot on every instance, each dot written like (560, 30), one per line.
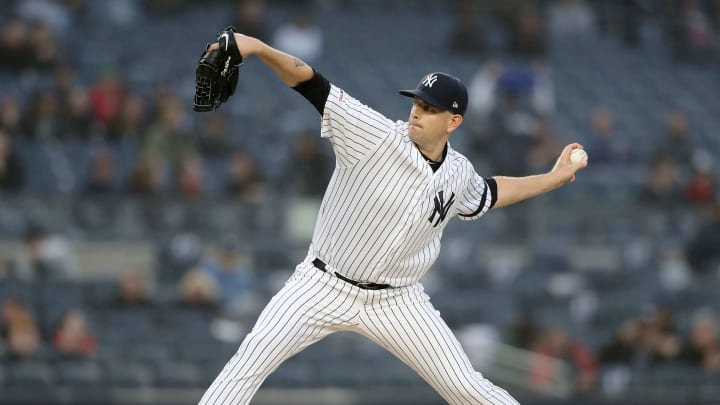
(129, 374)
(79, 373)
(174, 374)
(30, 374)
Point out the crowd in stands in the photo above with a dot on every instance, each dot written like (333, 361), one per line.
(511, 110)
(170, 148)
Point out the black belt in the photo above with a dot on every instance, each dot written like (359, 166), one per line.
(359, 284)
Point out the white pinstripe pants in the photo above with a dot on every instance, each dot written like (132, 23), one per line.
(314, 304)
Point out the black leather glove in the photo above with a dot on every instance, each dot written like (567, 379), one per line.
(216, 75)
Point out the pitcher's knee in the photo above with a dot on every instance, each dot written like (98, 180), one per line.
(262, 340)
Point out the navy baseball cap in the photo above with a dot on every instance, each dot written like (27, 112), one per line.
(441, 90)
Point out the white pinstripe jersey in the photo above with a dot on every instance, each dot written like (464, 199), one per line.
(384, 211)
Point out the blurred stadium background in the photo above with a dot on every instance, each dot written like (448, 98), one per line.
(139, 240)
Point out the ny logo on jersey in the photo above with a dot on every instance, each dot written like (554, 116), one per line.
(441, 208)
(429, 80)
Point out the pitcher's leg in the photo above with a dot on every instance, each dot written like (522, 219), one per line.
(302, 313)
(414, 331)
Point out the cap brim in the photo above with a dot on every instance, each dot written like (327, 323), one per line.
(425, 97)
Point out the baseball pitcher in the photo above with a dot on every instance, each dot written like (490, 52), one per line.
(395, 187)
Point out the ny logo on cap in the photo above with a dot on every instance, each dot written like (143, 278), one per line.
(429, 80)
(455, 104)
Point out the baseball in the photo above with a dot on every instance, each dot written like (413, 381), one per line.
(578, 155)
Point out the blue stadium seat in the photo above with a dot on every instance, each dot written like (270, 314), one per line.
(30, 374)
(79, 373)
(129, 374)
(175, 374)
(18, 290)
(148, 352)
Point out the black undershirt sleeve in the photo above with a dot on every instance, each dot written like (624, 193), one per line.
(493, 190)
(315, 90)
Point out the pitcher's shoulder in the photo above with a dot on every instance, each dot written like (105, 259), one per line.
(457, 158)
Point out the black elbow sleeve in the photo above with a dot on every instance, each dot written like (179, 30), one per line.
(315, 90)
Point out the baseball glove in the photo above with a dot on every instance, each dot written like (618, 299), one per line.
(216, 75)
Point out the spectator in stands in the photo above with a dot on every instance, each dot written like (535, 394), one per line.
(57, 15)
(12, 172)
(19, 330)
(512, 125)
(5, 270)
(663, 185)
(106, 96)
(571, 18)
(101, 181)
(624, 348)
(12, 309)
(523, 331)
(699, 33)
(702, 250)
(15, 51)
(45, 46)
(604, 145)
(23, 340)
(659, 339)
(630, 24)
(703, 348)
(676, 144)
(300, 37)
(700, 188)
(168, 137)
(214, 141)
(309, 166)
(198, 290)
(542, 95)
(190, 176)
(116, 14)
(65, 81)
(165, 7)
(72, 338)
(148, 176)
(673, 269)
(671, 14)
(523, 22)
(231, 269)
(249, 18)
(75, 116)
(482, 94)
(10, 116)
(44, 256)
(466, 36)
(713, 10)
(554, 343)
(133, 290)
(42, 120)
(129, 124)
(544, 143)
(244, 179)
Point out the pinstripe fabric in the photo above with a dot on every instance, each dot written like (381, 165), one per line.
(404, 322)
(381, 221)
(313, 304)
(373, 222)
(310, 306)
